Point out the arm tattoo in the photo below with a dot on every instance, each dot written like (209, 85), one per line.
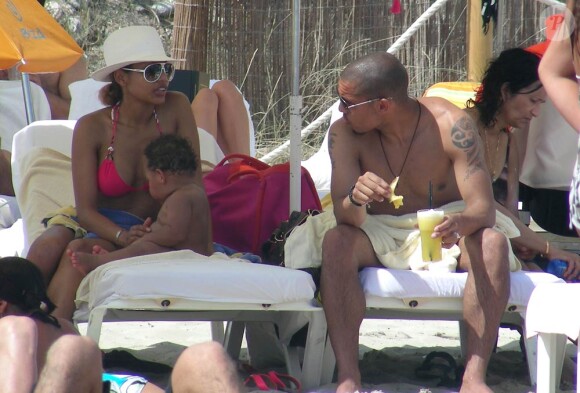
(330, 148)
(464, 136)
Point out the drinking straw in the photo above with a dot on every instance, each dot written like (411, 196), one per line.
(430, 194)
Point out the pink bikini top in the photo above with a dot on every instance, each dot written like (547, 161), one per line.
(109, 183)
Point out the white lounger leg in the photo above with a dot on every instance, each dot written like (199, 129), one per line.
(314, 351)
(217, 331)
(232, 341)
(95, 323)
(561, 341)
(550, 359)
(532, 358)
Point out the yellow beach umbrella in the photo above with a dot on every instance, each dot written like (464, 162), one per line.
(29, 35)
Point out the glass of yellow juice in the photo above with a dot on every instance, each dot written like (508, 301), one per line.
(430, 247)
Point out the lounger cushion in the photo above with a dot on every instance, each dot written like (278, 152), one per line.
(9, 211)
(13, 113)
(189, 276)
(407, 284)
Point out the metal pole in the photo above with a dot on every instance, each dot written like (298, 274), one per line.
(30, 116)
(295, 114)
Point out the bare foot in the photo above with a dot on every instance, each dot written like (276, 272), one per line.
(474, 387)
(98, 250)
(347, 386)
(83, 261)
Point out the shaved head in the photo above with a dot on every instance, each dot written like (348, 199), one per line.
(379, 74)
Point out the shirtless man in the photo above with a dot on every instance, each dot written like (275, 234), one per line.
(384, 134)
(184, 219)
(55, 86)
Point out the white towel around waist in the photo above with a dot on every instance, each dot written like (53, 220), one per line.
(395, 240)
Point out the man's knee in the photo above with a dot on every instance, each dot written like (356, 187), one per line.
(211, 352)
(494, 256)
(344, 245)
(494, 241)
(337, 239)
(81, 347)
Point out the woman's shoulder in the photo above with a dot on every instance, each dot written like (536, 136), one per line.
(94, 124)
(95, 118)
(173, 97)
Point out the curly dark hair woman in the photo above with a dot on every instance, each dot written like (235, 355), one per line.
(515, 70)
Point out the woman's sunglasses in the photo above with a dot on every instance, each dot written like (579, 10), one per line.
(152, 72)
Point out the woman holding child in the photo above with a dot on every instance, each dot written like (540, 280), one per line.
(113, 202)
(509, 97)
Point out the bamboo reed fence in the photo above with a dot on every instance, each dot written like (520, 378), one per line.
(249, 42)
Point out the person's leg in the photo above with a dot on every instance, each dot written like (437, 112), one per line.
(46, 250)
(484, 255)
(6, 187)
(205, 108)
(66, 280)
(345, 249)
(232, 118)
(205, 368)
(73, 364)
(550, 209)
(17, 354)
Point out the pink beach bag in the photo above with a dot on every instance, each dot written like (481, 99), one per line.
(249, 199)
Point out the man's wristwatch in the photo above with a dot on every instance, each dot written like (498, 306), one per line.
(351, 199)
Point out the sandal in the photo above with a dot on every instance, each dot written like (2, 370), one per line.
(447, 370)
(278, 379)
(260, 381)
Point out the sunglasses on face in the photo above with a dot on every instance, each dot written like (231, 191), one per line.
(152, 72)
(348, 106)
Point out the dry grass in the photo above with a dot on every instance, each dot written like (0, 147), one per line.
(251, 46)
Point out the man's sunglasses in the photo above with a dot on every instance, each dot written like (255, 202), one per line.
(152, 72)
(348, 106)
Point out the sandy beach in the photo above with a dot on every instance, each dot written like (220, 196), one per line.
(390, 352)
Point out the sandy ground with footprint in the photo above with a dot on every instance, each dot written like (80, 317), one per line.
(390, 352)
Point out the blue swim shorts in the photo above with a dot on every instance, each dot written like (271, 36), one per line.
(121, 218)
(124, 383)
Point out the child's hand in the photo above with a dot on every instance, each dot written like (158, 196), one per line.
(147, 223)
(138, 231)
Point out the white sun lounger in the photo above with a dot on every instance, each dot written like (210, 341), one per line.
(13, 118)
(427, 295)
(250, 296)
(180, 286)
(184, 286)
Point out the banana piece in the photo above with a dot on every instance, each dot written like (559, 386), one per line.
(396, 200)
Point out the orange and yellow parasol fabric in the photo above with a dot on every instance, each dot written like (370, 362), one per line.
(30, 35)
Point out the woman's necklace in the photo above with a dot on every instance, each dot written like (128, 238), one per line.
(408, 149)
(491, 162)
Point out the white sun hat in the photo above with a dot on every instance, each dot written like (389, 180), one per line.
(130, 45)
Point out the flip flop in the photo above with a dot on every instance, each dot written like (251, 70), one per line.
(446, 369)
(279, 379)
(260, 381)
